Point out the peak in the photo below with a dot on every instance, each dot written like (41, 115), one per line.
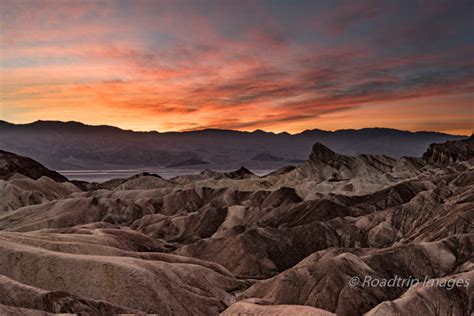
(261, 132)
(241, 173)
(243, 170)
(320, 148)
(55, 123)
(212, 131)
(321, 153)
(148, 174)
(314, 132)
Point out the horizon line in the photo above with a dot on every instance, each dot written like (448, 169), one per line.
(236, 130)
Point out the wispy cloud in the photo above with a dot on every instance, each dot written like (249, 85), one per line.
(246, 65)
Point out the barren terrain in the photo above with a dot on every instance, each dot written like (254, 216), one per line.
(235, 243)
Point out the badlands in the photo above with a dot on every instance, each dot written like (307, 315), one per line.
(234, 243)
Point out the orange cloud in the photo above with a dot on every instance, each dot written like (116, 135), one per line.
(160, 65)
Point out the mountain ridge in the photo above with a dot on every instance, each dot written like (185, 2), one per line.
(77, 146)
(56, 123)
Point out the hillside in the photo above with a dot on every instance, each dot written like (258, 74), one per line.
(73, 145)
(290, 242)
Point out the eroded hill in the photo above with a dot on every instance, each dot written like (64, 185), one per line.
(235, 243)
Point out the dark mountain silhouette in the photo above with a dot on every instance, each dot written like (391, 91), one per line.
(188, 162)
(11, 163)
(64, 145)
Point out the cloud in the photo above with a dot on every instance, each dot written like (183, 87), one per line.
(223, 65)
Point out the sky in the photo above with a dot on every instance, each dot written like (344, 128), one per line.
(244, 65)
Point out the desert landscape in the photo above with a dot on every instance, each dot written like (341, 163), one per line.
(76, 146)
(233, 243)
(236, 157)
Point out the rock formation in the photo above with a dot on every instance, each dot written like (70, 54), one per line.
(233, 243)
(11, 164)
(449, 152)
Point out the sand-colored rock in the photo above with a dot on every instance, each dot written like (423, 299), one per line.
(261, 307)
(235, 243)
(153, 286)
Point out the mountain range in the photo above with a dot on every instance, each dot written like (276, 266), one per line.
(73, 145)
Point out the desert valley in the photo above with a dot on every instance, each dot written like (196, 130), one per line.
(233, 243)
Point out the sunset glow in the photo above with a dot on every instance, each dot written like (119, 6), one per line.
(244, 65)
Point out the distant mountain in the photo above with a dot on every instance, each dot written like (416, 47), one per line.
(267, 157)
(73, 145)
(188, 162)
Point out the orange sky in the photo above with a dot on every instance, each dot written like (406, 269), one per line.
(160, 65)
